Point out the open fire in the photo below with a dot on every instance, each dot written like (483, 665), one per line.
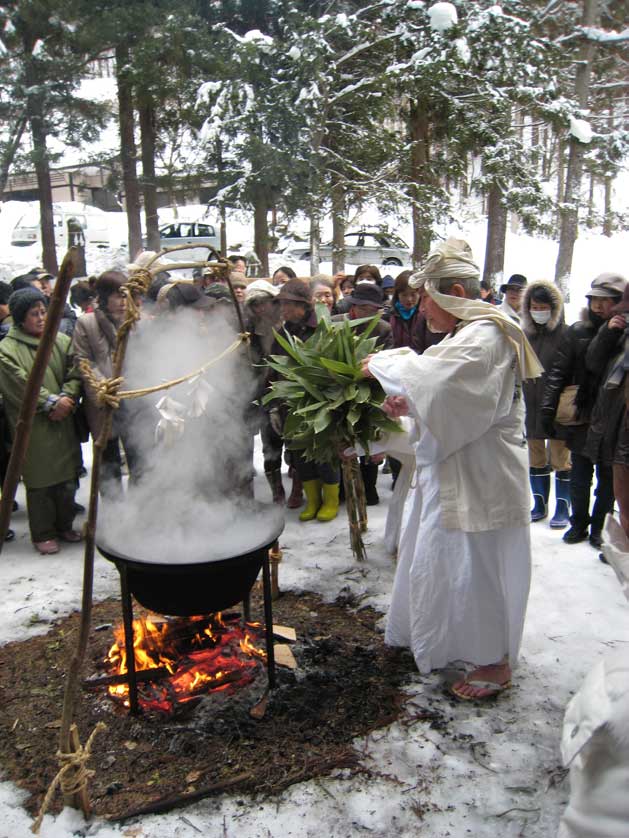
(178, 660)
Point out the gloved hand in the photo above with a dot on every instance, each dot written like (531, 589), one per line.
(275, 418)
(548, 425)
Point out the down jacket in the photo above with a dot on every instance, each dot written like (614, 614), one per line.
(545, 340)
(608, 416)
(569, 368)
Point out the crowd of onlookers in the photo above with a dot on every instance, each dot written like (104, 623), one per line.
(576, 416)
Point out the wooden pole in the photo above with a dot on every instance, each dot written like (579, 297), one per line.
(24, 424)
(74, 671)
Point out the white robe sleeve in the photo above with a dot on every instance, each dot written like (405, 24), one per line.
(456, 390)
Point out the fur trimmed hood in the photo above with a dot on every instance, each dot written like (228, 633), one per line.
(556, 306)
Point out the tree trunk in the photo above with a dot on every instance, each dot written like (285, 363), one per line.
(420, 177)
(590, 215)
(35, 115)
(569, 208)
(261, 232)
(315, 240)
(149, 188)
(608, 222)
(9, 154)
(220, 168)
(338, 227)
(128, 153)
(42, 171)
(496, 236)
(223, 229)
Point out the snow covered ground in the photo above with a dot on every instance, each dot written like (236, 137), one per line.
(493, 770)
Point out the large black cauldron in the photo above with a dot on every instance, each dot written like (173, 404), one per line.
(201, 587)
(196, 587)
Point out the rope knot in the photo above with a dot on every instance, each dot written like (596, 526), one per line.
(73, 775)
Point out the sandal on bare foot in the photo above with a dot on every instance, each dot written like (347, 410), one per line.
(478, 689)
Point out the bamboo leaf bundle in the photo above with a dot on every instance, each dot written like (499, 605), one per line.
(330, 406)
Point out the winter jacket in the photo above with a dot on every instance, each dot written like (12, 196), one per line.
(94, 340)
(505, 308)
(413, 333)
(302, 330)
(545, 340)
(569, 368)
(53, 454)
(608, 415)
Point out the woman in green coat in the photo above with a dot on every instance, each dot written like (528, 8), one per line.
(53, 457)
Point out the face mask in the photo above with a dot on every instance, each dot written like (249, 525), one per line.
(541, 317)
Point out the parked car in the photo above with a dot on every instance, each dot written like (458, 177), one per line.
(364, 247)
(200, 234)
(93, 221)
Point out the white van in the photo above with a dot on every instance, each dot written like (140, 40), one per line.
(92, 220)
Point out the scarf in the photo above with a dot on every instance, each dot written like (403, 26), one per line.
(405, 313)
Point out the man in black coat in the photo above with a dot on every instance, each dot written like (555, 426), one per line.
(570, 368)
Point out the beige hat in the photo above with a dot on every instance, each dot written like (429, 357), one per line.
(607, 285)
(260, 289)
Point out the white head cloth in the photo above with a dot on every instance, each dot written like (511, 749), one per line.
(452, 259)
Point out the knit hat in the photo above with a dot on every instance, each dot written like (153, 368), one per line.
(366, 294)
(238, 279)
(261, 289)
(21, 301)
(295, 291)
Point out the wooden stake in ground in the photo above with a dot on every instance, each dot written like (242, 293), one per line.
(74, 671)
(24, 423)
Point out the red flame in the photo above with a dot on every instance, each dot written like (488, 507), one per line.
(197, 655)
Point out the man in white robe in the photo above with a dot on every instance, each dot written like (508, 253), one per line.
(464, 563)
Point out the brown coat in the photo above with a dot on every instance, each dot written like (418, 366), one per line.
(94, 340)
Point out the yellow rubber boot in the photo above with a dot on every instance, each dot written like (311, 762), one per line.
(312, 488)
(330, 507)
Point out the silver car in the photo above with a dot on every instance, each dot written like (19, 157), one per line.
(366, 247)
(197, 233)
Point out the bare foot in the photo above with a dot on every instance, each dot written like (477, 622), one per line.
(484, 682)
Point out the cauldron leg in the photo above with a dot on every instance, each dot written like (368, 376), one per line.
(127, 618)
(268, 620)
(246, 608)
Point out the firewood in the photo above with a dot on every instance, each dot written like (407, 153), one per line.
(113, 680)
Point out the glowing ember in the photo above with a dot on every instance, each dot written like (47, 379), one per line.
(194, 656)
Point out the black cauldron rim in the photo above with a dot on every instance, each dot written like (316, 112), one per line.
(199, 587)
(272, 533)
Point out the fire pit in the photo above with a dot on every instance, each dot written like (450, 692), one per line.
(197, 585)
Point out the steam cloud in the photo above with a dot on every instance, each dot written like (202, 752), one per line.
(188, 507)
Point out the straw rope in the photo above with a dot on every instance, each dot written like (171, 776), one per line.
(108, 394)
(72, 776)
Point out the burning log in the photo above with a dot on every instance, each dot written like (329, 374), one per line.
(114, 680)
